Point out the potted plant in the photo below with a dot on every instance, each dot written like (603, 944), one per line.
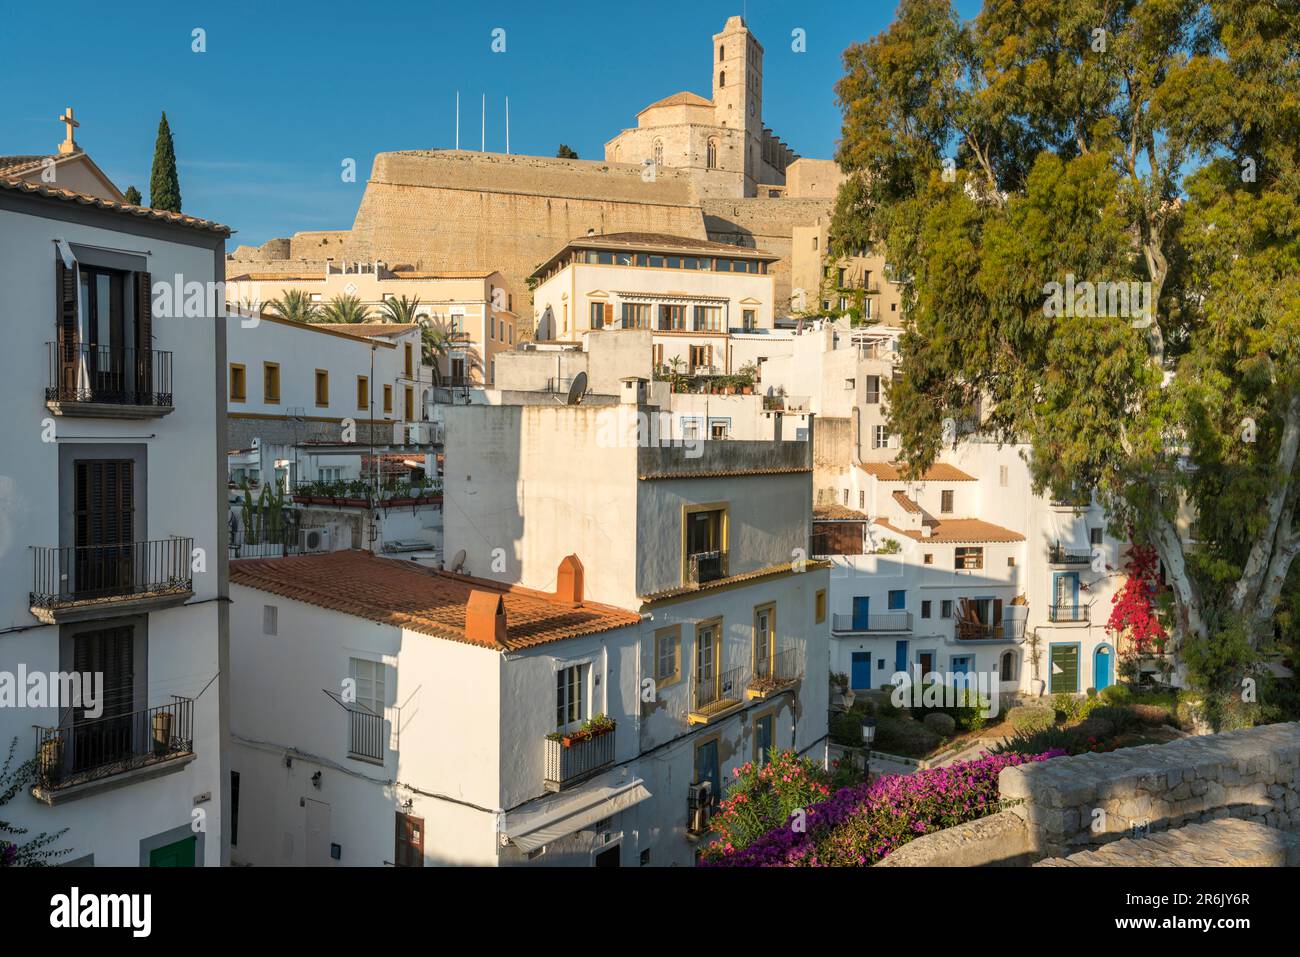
(593, 727)
(162, 732)
(840, 693)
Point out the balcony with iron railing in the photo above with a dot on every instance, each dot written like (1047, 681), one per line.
(1059, 555)
(715, 695)
(893, 621)
(574, 758)
(87, 756)
(79, 583)
(775, 674)
(1006, 630)
(705, 567)
(1067, 614)
(365, 735)
(107, 381)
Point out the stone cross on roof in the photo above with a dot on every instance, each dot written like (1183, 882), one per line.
(69, 144)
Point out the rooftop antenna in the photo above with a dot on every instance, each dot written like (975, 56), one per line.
(482, 144)
(458, 119)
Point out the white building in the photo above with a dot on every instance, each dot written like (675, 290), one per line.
(670, 595)
(691, 294)
(112, 539)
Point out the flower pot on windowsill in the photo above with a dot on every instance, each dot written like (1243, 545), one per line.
(51, 758)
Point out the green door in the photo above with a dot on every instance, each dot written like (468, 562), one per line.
(1065, 669)
(179, 854)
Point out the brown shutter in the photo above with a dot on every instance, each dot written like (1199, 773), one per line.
(66, 326)
(609, 314)
(997, 611)
(144, 338)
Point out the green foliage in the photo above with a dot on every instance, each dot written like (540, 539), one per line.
(1116, 694)
(903, 736)
(132, 196)
(1028, 719)
(294, 305)
(1122, 165)
(164, 184)
(402, 311)
(36, 851)
(345, 308)
(565, 152)
(940, 723)
(764, 797)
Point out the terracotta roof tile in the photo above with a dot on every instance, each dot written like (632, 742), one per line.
(959, 531)
(369, 330)
(407, 595)
(907, 504)
(684, 98)
(938, 472)
(84, 199)
(838, 513)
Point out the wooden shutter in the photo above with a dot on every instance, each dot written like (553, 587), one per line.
(609, 314)
(65, 320)
(105, 501)
(111, 653)
(997, 611)
(409, 843)
(144, 338)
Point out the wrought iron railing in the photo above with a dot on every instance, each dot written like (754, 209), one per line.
(703, 567)
(1069, 556)
(1005, 630)
(1067, 613)
(783, 668)
(365, 734)
(264, 543)
(713, 692)
(117, 376)
(578, 761)
(65, 574)
(886, 621)
(89, 750)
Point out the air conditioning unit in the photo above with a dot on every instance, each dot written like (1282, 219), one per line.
(314, 541)
(699, 806)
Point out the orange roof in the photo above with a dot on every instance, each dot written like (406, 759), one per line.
(959, 531)
(838, 513)
(407, 595)
(938, 472)
(368, 330)
(85, 199)
(908, 505)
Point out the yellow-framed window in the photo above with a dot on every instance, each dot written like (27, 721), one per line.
(668, 656)
(819, 607)
(388, 398)
(322, 387)
(363, 392)
(238, 382)
(270, 382)
(764, 647)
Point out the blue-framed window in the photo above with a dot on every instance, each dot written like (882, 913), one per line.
(898, 600)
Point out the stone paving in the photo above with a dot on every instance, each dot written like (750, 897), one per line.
(1226, 842)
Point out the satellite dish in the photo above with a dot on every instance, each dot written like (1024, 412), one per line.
(458, 561)
(577, 390)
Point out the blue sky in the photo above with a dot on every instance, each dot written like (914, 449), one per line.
(287, 90)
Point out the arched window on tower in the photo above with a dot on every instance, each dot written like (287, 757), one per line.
(659, 152)
(720, 54)
(722, 79)
(712, 154)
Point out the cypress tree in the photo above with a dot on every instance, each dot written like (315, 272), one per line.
(164, 185)
(133, 196)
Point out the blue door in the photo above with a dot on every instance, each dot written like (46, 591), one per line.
(960, 664)
(860, 678)
(860, 616)
(1103, 663)
(900, 655)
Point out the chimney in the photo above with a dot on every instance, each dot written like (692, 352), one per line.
(485, 618)
(590, 232)
(568, 581)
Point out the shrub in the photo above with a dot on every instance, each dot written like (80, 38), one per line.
(941, 724)
(762, 798)
(1051, 738)
(1116, 694)
(1097, 729)
(1031, 718)
(905, 737)
(860, 825)
(1121, 718)
(846, 730)
(1066, 706)
(1152, 714)
(1092, 692)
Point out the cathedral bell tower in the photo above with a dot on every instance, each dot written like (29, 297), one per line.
(738, 91)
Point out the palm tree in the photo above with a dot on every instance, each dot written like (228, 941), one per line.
(294, 305)
(401, 311)
(437, 336)
(345, 308)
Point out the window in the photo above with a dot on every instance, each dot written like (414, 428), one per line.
(968, 558)
(764, 738)
(879, 437)
(238, 386)
(672, 318)
(929, 558)
(925, 609)
(898, 600)
(850, 384)
(764, 640)
(408, 401)
(598, 314)
(718, 428)
(571, 706)
(862, 500)
(234, 808)
(1011, 561)
(1094, 536)
(1007, 667)
(711, 154)
(409, 842)
(270, 382)
(945, 501)
(363, 392)
(368, 680)
(270, 619)
(945, 608)
(322, 387)
(819, 607)
(722, 78)
(668, 655)
(636, 315)
(749, 319)
(659, 152)
(406, 361)
(701, 357)
(846, 497)
(708, 318)
(388, 398)
(492, 328)
(708, 666)
(708, 768)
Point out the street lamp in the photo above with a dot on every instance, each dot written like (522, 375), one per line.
(868, 738)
